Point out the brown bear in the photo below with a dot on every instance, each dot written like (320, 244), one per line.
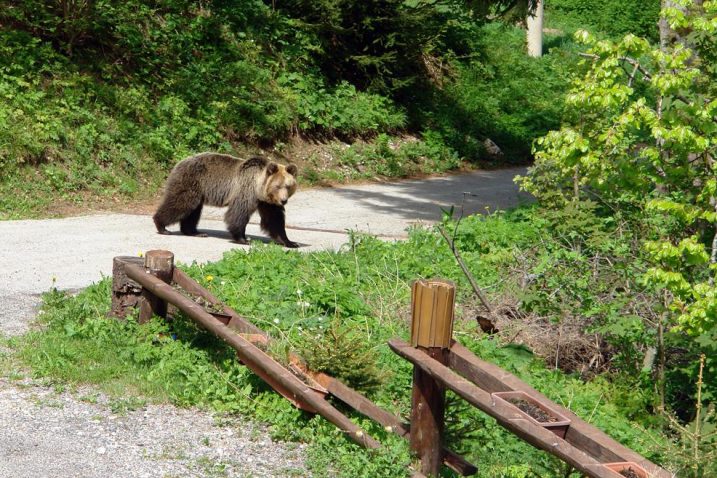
(255, 184)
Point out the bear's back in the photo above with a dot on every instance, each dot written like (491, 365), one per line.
(217, 176)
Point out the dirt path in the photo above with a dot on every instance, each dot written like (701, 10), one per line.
(73, 252)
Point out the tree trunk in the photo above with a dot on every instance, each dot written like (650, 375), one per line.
(668, 36)
(535, 31)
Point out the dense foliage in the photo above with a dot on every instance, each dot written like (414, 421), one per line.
(613, 17)
(102, 98)
(641, 144)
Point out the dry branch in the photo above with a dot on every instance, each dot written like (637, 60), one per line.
(487, 325)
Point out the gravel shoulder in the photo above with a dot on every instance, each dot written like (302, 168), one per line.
(49, 434)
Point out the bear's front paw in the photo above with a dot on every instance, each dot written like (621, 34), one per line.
(291, 244)
(241, 240)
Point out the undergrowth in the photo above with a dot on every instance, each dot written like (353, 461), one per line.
(333, 306)
(100, 100)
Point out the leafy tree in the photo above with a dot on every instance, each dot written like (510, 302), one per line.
(390, 45)
(382, 46)
(641, 141)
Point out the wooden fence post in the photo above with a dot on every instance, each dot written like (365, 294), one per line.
(126, 293)
(432, 304)
(160, 264)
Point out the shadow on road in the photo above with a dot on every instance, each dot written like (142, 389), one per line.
(222, 234)
(421, 200)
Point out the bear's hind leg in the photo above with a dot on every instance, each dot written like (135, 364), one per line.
(273, 221)
(160, 224)
(166, 215)
(188, 225)
(174, 208)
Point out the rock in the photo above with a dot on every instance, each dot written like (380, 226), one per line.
(492, 150)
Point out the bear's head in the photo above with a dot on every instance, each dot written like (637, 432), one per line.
(279, 183)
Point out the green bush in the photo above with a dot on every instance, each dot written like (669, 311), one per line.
(485, 98)
(613, 17)
(398, 157)
(381, 46)
(341, 110)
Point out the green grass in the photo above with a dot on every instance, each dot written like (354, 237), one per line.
(343, 306)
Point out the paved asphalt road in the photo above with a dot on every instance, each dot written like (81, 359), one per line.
(73, 252)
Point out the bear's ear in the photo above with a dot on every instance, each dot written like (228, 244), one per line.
(291, 169)
(271, 168)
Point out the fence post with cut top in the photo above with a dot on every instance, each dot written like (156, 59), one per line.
(160, 264)
(432, 305)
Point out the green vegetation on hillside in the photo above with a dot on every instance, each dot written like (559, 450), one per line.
(100, 99)
(615, 18)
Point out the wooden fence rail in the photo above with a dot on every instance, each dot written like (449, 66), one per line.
(254, 358)
(136, 285)
(448, 365)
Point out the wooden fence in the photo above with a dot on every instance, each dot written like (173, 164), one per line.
(439, 363)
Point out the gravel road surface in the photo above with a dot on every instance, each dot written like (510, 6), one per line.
(44, 433)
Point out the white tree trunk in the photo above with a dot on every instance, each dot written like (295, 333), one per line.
(667, 35)
(535, 31)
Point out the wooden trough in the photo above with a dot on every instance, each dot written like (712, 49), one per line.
(441, 363)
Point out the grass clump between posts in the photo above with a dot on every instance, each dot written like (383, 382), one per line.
(342, 353)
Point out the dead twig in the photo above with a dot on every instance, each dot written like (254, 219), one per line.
(485, 325)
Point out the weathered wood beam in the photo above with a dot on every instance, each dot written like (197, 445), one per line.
(126, 293)
(505, 415)
(335, 387)
(254, 358)
(190, 285)
(581, 434)
(432, 305)
(160, 264)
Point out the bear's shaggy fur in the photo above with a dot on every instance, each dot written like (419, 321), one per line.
(256, 184)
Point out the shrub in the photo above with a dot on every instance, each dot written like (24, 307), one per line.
(485, 98)
(636, 142)
(341, 110)
(613, 17)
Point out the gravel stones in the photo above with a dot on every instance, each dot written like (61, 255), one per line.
(18, 311)
(50, 434)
